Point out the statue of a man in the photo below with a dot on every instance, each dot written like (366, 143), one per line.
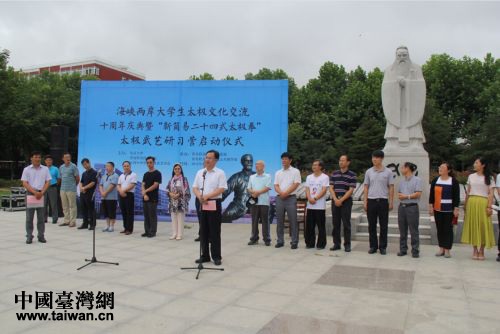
(238, 184)
(403, 100)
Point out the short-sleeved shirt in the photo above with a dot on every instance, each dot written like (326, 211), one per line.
(286, 177)
(88, 177)
(125, 180)
(36, 177)
(54, 173)
(214, 179)
(68, 174)
(341, 182)
(378, 182)
(149, 179)
(259, 182)
(408, 186)
(477, 185)
(107, 180)
(315, 185)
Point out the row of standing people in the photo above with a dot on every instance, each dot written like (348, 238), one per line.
(378, 201)
(43, 182)
(379, 192)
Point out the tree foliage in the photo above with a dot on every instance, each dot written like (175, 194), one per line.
(29, 107)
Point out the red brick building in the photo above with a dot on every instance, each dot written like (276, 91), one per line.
(101, 69)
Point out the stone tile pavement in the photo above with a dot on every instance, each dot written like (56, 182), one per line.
(262, 290)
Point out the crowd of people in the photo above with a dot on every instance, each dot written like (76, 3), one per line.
(42, 183)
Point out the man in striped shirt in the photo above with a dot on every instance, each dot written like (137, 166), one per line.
(342, 185)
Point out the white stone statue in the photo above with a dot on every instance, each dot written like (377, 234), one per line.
(403, 100)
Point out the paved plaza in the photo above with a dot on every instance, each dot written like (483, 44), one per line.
(262, 290)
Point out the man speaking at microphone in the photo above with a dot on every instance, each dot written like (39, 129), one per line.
(208, 186)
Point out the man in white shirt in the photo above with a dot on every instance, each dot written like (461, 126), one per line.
(36, 180)
(208, 186)
(126, 187)
(316, 186)
(286, 182)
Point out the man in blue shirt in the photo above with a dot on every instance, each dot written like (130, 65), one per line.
(52, 194)
(258, 187)
(70, 177)
(342, 185)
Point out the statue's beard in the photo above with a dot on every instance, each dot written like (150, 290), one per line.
(403, 68)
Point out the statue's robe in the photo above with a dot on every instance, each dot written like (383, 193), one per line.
(404, 106)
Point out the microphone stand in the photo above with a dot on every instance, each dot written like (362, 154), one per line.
(200, 266)
(94, 218)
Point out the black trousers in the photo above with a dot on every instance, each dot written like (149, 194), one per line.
(444, 227)
(88, 209)
(378, 209)
(198, 213)
(260, 213)
(341, 215)
(210, 226)
(315, 218)
(150, 217)
(127, 208)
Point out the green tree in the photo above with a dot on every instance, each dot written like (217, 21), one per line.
(204, 76)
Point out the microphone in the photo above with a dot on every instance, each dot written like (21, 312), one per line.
(204, 173)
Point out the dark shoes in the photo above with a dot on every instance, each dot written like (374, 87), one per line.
(401, 253)
(144, 235)
(197, 239)
(309, 247)
(151, 235)
(218, 262)
(383, 251)
(128, 233)
(348, 249)
(372, 251)
(124, 231)
(91, 228)
(268, 243)
(251, 243)
(64, 224)
(294, 247)
(202, 260)
(415, 255)
(82, 227)
(279, 245)
(30, 240)
(335, 247)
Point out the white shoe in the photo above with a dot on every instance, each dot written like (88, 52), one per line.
(172, 237)
(106, 229)
(178, 238)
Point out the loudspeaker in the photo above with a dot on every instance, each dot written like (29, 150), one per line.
(58, 142)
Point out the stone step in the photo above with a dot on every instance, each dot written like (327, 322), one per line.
(391, 238)
(394, 228)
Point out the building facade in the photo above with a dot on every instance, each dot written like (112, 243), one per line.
(102, 69)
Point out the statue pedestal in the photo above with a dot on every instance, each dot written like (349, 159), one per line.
(395, 159)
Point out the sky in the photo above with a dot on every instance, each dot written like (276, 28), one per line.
(171, 40)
